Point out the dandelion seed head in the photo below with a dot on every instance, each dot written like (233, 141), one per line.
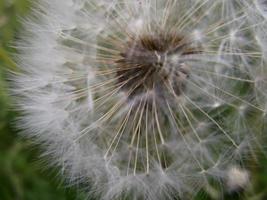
(143, 99)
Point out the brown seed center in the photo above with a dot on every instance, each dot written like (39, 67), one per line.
(153, 62)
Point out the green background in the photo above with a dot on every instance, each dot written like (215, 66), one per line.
(23, 175)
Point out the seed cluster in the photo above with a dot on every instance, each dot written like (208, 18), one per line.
(149, 99)
(152, 62)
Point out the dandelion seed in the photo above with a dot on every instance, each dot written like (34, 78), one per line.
(143, 99)
(237, 179)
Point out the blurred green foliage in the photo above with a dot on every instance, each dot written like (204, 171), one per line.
(22, 175)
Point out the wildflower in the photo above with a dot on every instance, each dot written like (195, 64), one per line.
(143, 99)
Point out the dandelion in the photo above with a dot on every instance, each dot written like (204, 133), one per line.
(148, 99)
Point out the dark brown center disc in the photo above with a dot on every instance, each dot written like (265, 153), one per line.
(151, 62)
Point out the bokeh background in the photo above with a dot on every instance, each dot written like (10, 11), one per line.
(24, 175)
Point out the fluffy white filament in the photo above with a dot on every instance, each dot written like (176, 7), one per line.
(119, 147)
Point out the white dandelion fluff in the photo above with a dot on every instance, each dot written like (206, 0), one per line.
(237, 178)
(147, 99)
